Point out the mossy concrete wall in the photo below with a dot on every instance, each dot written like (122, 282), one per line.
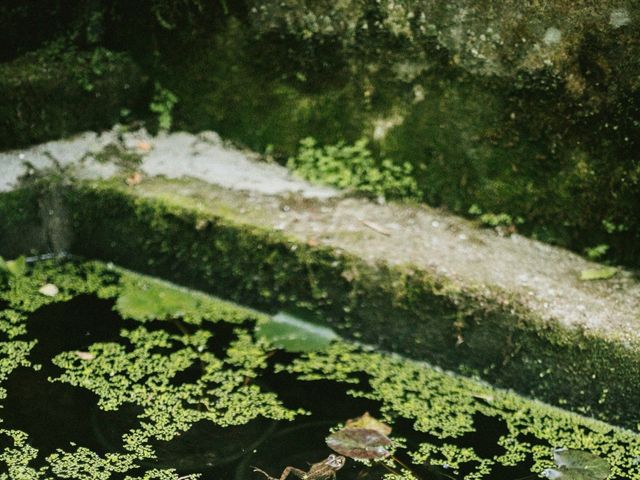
(57, 91)
(524, 108)
(529, 109)
(392, 276)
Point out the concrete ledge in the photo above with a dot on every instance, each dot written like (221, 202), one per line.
(407, 278)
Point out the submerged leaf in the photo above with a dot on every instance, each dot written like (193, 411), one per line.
(294, 334)
(359, 443)
(367, 421)
(577, 465)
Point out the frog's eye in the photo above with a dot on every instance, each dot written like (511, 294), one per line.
(331, 458)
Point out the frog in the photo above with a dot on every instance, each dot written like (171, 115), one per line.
(322, 470)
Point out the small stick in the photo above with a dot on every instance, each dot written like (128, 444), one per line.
(376, 228)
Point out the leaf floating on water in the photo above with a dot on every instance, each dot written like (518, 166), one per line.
(295, 334)
(15, 267)
(577, 465)
(88, 356)
(49, 290)
(359, 443)
(368, 422)
(602, 273)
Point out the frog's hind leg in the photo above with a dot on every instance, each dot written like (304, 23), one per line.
(296, 471)
(285, 473)
(256, 469)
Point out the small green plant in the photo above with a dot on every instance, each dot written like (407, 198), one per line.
(611, 227)
(599, 251)
(353, 166)
(494, 220)
(162, 105)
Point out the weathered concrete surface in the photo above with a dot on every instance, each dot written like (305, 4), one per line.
(204, 156)
(440, 289)
(544, 278)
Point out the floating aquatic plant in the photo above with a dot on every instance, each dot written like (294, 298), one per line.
(577, 465)
(173, 378)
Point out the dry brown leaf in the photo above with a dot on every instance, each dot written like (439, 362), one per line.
(369, 422)
(134, 179)
(144, 146)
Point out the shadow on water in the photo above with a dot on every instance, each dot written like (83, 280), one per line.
(57, 414)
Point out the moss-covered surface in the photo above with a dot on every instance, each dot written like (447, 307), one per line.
(423, 315)
(525, 110)
(59, 90)
(21, 226)
(490, 114)
(168, 363)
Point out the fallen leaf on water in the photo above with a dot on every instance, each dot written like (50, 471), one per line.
(367, 421)
(134, 179)
(602, 273)
(359, 443)
(577, 465)
(49, 290)
(84, 355)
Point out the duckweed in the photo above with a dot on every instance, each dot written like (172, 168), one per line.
(181, 358)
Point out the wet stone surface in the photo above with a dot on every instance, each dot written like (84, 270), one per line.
(120, 376)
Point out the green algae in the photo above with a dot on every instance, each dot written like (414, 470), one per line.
(137, 371)
(142, 367)
(444, 406)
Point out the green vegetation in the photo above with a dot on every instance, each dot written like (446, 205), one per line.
(212, 248)
(137, 370)
(144, 368)
(58, 90)
(444, 407)
(353, 167)
(162, 105)
(597, 252)
(485, 118)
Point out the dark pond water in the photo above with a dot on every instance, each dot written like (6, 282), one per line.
(57, 415)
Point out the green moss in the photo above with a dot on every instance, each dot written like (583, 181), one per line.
(397, 308)
(59, 90)
(21, 229)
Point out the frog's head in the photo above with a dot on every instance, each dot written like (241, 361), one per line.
(336, 462)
